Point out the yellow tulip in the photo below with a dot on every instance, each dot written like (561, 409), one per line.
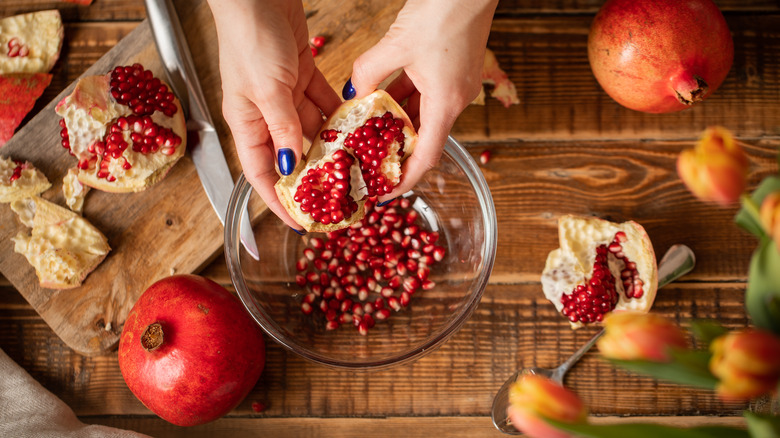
(640, 336)
(533, 398)
(746, 363)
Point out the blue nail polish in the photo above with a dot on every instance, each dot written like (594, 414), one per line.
(348, 92)
(382, 204)
(298, 232)
(286, 159)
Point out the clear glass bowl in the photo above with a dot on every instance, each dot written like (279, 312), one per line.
(452, 199)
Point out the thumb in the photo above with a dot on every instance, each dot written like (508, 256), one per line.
(375, 65)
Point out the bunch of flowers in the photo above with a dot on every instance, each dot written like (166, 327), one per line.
(738, 365)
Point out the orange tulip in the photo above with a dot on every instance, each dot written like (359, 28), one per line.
(533, 398)
(770, 216)
(746, 362)
(640, 336)
(716, 169)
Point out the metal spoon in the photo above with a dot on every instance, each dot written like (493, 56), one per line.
(678, 261)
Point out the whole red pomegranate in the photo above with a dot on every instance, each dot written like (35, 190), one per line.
(660, 56)
(189, 351)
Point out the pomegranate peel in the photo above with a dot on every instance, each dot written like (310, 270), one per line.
(600, 267)
(20, 179)
(62, 246)
(357, 154)
(126, 129)
(30, 43)
(18, 93)
(503, 88)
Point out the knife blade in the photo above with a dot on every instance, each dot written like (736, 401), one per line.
(205, 148)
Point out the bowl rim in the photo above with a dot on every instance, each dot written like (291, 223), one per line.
(238, 202)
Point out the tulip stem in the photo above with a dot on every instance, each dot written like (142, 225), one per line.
(752, 209)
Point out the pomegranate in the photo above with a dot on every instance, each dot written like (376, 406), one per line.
(189, 351)
(30, 43)
(19, 93)
(660, 56)
(361, 274)
(600, 267)
(62, 246)
(357, 154)
(20, 179)
(125, 128)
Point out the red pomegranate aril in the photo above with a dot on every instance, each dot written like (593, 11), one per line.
(141, 91)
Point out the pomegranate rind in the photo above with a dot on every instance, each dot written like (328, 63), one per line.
(88, 112)
(74, 191)
(30, 181)
(62, 246)
(18, 93)
(503, 88)
(572, 263)
(40, 32)
(351, 115)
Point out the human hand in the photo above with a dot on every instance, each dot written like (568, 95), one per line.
(440, 47)
(273, 94)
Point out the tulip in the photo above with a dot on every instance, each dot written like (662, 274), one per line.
(533, 398)
(716, 169)
(770, 216)
(746, 363)
(640, 336)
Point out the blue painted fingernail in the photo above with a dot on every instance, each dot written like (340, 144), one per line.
(382, 204)
(298, 232)
(286, 159)
(348, 92)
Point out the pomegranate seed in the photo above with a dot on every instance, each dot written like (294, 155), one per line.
(317, 41)
(314, 51)
(484, 157)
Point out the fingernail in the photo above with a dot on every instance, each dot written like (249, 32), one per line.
(298, 232)
(382, 204)
(286, 160)
(348, 92)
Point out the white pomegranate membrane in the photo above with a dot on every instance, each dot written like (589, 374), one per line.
(326, 193)
(363, 273)
(139, 95)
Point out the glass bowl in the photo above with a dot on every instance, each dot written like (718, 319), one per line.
(453, 199)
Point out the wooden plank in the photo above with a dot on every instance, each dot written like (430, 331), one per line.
(514, 326)
(560, 99)
(510, 7)
(410, 427)
(99, 10)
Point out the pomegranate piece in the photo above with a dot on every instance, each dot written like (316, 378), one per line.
(19, 93)
(484, 157)
(317, 41)
(126, 129)
(600, 267)
(660, 56)
(364, 273)
(20, 179)
(503, 89)
(30, 43)
(356, 155)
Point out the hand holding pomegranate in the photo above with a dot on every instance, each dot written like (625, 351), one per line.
(440, 48)
(273, 94)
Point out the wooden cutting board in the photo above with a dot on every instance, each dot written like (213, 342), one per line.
(170, 227)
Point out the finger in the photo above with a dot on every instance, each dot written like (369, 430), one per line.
(311, 118)
(284, 125)
(322, 94)
(401, 87)
(375, 65)
(412, 109)
(258, 165)
(436, 123)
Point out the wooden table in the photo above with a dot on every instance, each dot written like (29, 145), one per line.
(567, 148)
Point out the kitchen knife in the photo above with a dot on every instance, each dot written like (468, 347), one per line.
(203, 140)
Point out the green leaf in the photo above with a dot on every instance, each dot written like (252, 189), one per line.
(763, 426)
(687, 368)
(647, 430)
(747, 217)
(707, 330)
(762, 299)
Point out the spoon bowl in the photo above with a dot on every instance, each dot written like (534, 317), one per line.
(678, 261)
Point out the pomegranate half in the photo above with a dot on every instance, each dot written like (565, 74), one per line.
(601, 266)
(189, 351)
(356, 155)
(660, 56)
(126, 129)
